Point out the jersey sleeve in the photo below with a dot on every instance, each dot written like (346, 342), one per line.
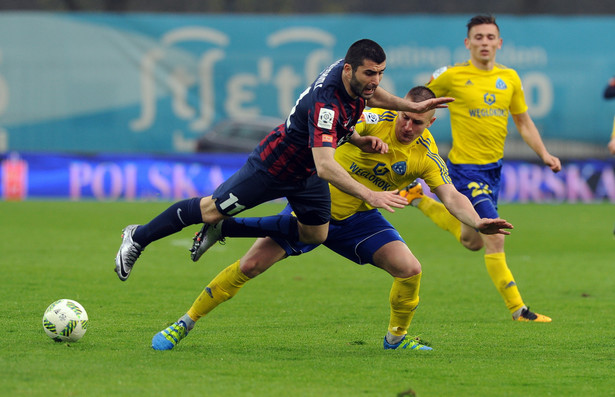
(439, 82)
(434, 170)
(322, 125)
(517, 102)
(368, 120)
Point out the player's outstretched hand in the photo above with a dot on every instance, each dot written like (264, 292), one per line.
(387, 200)
(433, 103)
(493, 226)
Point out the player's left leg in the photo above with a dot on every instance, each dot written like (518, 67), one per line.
(367, 237)
(481, 185)
(495, 261)
(136, 237)
(396, 258)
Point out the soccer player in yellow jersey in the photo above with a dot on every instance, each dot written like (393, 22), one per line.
(486, 94)
(357, 230)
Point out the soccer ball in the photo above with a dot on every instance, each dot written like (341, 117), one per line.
(65, 320)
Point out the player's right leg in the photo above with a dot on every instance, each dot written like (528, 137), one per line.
(263, 254)
(136, 237)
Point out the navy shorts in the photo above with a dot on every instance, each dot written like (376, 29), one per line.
(480, 184)
(356, 238)
(250, 186)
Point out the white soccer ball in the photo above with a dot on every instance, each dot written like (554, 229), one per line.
(65, 320)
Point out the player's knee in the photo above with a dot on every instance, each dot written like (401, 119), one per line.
(209, 211)
(412, 270)
(471, 241)
(251, 267)
(472, 245)
(405, 270)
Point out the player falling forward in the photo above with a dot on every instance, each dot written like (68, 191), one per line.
(358, 231)
(296, 160)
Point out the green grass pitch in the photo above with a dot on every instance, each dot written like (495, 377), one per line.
(310, 326)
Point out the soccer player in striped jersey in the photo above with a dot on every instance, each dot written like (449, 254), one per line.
(358, 231)
(486, 94)
(294, 161)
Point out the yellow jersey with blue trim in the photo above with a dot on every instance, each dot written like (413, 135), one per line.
(389, 171)
(484, 100)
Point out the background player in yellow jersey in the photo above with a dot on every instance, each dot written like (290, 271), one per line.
(357, 230)
(486, 94)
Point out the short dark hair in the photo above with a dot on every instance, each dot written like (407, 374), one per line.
(487, 19)
(362, 50)
(420, 93)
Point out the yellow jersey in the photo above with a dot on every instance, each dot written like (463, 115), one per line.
(479, 115)
(393, 170)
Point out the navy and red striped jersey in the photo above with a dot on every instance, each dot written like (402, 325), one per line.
(323, 115)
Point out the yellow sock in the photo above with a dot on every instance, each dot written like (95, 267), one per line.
(404, 299)
(439, 215)
(222, 288)
(503, 280)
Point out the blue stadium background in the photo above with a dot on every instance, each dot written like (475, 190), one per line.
(108, 105)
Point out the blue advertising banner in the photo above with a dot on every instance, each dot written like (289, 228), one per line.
(156, 82)
(173, 177)
(113, 177)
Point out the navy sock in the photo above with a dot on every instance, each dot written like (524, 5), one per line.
(172, 220)
(284, 226)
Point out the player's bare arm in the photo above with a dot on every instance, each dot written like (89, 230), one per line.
(369, 144)
(331, 171)
(460, 207)
(386, 100)
(528, 131)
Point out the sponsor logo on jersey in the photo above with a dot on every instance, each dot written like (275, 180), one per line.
(488, 112)
(380, 183)
(489, 99)
(381, 169)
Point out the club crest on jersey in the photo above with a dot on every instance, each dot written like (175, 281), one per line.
(325, 118)
(399, 168)
(500, 84)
